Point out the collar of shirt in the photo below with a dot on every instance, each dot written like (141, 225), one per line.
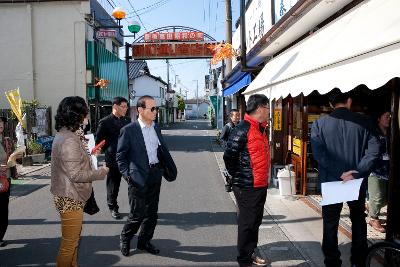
(143, 125)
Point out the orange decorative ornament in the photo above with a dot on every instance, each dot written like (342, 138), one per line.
(222, 51)
(102, 83)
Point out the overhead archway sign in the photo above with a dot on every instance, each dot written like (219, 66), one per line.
(173, 42)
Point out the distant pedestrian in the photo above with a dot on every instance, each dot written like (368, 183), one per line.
(234, 117)
(247, 159)
(345, 147)
(72, 174)
(378, 180)
(142, 155)
(6, 149)
(108, 131)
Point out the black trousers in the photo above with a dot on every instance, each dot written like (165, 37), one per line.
(251, 209)
(4, 201)
(113, 182)
(144, 208)
(359, 245)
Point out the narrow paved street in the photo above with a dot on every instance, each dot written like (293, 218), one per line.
(196, 217)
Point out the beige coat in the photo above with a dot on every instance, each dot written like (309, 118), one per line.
(72, 171)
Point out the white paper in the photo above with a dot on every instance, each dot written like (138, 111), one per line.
(91, 145)
(338, 192)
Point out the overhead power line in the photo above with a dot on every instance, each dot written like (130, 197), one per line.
(129, 1)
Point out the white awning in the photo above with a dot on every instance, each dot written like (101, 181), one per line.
(361, 47)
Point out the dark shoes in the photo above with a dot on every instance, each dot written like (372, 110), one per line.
(3, 243)
(258, 261)
(150, 248)
(125, 247)
(115, 214)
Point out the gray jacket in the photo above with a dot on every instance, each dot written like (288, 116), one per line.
(72, 170)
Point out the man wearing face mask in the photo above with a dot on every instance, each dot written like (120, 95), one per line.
(108, 130)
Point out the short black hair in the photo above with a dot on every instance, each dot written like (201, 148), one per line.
(118, 100)
(233, 110)
(70, 113)
(337, 97)
(3, 119)
(255, 101)
(141, 103)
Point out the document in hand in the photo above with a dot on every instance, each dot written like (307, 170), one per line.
(337, 192)
(91, 145)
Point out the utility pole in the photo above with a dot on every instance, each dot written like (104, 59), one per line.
(228, 33)
(197, 97)
(166, 101)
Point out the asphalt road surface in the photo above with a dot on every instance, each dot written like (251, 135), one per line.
(196, 226)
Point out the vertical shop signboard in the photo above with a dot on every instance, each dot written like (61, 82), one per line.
(297, 146)
(281, 7)
(277, 120)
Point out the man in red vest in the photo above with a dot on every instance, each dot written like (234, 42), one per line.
(247, 159)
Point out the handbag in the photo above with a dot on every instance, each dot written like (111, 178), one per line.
(91, 205)
(4, 184)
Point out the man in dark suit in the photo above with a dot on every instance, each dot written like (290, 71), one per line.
(139, 161)
(108, 130)
(345, 147)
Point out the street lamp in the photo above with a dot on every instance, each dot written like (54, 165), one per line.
(118, 13)
(134, 27)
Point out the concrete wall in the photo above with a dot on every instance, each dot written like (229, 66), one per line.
(192, 113)
(145, 85)
(43, 50)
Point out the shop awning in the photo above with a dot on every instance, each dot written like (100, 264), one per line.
(360, 47)
(237, 85)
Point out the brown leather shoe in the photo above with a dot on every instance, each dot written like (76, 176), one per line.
(377, 225)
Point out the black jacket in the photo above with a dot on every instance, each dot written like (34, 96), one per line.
(225, 132)
(108, 130)
(343, 141)
(132, 157)
(382, 165)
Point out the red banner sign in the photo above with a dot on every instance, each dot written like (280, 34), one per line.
(173, 36)
(172, 50)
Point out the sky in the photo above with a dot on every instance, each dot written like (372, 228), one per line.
(205, 15)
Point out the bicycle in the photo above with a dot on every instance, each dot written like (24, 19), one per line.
(384, 253)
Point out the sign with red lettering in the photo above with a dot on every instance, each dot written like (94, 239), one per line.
(101, 34)
(153, 37)
(172, 50)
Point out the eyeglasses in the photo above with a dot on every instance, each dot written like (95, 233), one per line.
(152, 109)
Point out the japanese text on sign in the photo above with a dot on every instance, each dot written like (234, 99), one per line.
(277, 120)
(173, 36)
(101, 34)
(171, 50)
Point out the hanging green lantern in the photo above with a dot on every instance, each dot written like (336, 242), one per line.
(134, 27)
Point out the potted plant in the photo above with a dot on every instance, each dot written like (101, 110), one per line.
(35, 151)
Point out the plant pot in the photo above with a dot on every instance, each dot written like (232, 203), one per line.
(38, 158)
(27, 161)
